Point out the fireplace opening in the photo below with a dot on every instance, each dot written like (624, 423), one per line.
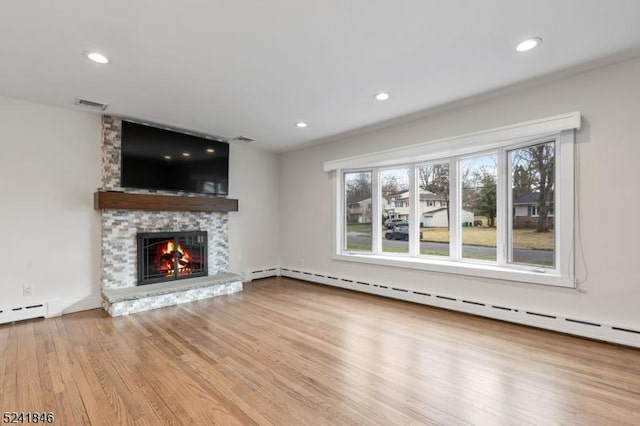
(168, 256)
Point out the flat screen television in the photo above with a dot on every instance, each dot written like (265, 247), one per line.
(154, 158)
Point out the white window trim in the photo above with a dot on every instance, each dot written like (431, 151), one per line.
(561, 128)
(460, 145)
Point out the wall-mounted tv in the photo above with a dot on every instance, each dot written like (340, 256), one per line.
(154, 158)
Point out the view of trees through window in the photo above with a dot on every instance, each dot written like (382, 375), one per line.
(434, 210)
(529, 199)
(358, 211)
(478, 216)
(533, 199)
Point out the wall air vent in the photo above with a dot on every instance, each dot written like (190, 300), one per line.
(243, 139)
(85, 103)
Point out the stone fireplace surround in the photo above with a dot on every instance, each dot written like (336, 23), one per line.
(119, 228)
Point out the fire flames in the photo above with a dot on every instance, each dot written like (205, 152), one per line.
(166, 259)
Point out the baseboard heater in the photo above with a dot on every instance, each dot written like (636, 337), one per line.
(23, 312)
(261, 273)
(576, 326)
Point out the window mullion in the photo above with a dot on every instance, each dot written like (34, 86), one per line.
(509, 208)
(414, 204)
(502, 207)
(455, 185)
(340, 235)
(376, 213)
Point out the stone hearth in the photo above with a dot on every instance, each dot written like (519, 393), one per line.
(130, 300)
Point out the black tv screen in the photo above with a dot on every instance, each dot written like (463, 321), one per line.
(154, 158)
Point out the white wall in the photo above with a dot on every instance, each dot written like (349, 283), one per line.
(254, 229)
(49, 231)
(49, 234)
(608, 175)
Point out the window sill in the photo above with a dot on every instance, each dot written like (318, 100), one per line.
(461, 268)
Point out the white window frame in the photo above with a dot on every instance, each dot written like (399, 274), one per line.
(560, 128)
(343, 205)
(452, 193)
(377, 214)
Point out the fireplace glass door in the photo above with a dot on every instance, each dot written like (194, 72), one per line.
(168, 256)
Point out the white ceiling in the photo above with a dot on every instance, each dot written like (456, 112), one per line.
(254, 68)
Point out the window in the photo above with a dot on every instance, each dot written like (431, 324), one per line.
(395, 183)
(478, 179)
(497, 191)
(358, 212)
(532, 172)
(433, 181)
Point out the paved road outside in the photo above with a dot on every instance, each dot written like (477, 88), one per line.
(535, 257)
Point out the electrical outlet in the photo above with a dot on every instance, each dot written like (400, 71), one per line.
(27, 290)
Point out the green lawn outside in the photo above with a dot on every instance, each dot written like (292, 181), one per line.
(364, 229)
(486, 237)
(358, 247)
(365, 247)
(478, 236)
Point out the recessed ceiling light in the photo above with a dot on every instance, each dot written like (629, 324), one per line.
(186, 154)
(301, 124)
(382, 96)
(167, 157)
(96, 57)
(528, 44)
(211, 150)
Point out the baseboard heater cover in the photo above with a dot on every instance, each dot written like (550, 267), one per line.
(23, 312)
(262, 273)
(574, 326)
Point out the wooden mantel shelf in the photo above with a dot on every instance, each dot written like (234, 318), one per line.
(129, 201)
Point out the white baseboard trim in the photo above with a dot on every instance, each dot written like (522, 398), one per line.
(59, 306)
(575, 326)
(55, 307)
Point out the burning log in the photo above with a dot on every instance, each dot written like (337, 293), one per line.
(167, 256)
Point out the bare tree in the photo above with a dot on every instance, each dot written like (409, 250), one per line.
(435, 178)
(543, 159)
(393, 184)
(358, 187)
(534, 173)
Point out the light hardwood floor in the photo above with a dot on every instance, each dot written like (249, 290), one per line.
(286, 352)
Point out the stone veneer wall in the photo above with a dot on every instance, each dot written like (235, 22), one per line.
(119, 227)
(111, 147)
